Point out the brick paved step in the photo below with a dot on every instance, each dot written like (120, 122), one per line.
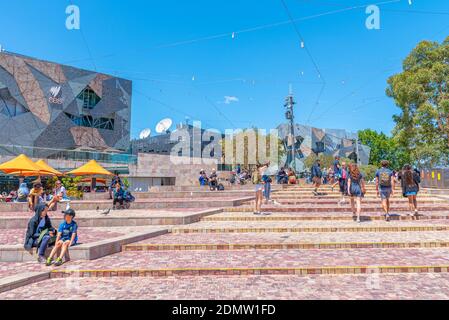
(93, 243)
(337, 197)
(312, 226)
(399, 286)
(321, 201)
(116, 218)
(329, 216)
(249, 262)
(333, 208)
(269, 241)
(141, 204)
(177, 194)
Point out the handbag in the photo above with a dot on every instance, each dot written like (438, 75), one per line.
(43, 234)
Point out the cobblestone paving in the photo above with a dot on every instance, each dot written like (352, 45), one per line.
(267, 259)
(423, 271)
(348, 287)
(424, 215)
(311, 224)
(12, 268)
(273, 238)
(85, 235)
(169, 212)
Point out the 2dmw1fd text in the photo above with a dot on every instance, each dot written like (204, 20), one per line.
(246, 310)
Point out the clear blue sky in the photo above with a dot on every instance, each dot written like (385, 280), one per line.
(130, 38)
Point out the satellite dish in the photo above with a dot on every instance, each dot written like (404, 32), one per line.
(164, 125)
(145, 133)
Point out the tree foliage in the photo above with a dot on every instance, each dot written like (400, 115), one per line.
(421, 92)
(383, 147)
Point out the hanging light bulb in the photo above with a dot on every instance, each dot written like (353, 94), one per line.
(410, 2)
(233, 35)
(193, 78)
(302, 44)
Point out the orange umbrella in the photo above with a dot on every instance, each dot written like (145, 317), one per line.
(92, 168)
(22, 166)
(44, 166)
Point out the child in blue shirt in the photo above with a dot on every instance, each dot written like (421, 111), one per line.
(67, 237)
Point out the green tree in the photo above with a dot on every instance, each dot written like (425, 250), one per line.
(421, 91)
(383, 148)
(71, 185)
(326, 160)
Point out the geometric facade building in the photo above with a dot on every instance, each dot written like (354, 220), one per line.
(309, 140)
(49, 105)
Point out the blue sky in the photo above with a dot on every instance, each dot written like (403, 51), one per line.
(183, 59)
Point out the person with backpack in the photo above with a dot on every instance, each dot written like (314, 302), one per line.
(343, 182)
(385, 184)
(410, 180)
(317, 176)
(266, 179)
(356, 190)
(337, 172)
(256, 178)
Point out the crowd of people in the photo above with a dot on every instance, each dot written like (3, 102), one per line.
(347, 177)
(351, 183)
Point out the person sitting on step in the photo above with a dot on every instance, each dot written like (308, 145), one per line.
(66, 238)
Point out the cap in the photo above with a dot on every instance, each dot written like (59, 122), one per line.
(69, 212)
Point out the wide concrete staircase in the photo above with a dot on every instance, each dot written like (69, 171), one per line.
(287, 241)
(304, 236)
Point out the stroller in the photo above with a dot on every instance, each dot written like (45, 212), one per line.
(128, 198)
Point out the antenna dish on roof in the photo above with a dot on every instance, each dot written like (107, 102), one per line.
(145, 133)
(164, 126)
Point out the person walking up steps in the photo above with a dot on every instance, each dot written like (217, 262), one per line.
(385, 184)
(337, 172)
(256, 178)
(356, 190)
(410, 181)
(343, 182)
(317, 175)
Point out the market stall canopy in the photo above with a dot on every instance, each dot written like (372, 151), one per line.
(42, 164)
(92, 168)
(22, 166)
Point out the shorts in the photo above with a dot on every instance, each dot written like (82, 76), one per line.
(409, 194)
(385, 193)
(68, 240)
(259, 187)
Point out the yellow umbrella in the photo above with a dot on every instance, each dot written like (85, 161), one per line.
(92, 168)
(44, 166)
(21, 166)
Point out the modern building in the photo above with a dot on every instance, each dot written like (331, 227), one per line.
(309, 140)
(163, 144)
(47, 108)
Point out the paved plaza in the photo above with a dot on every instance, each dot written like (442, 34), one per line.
(306, 248)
